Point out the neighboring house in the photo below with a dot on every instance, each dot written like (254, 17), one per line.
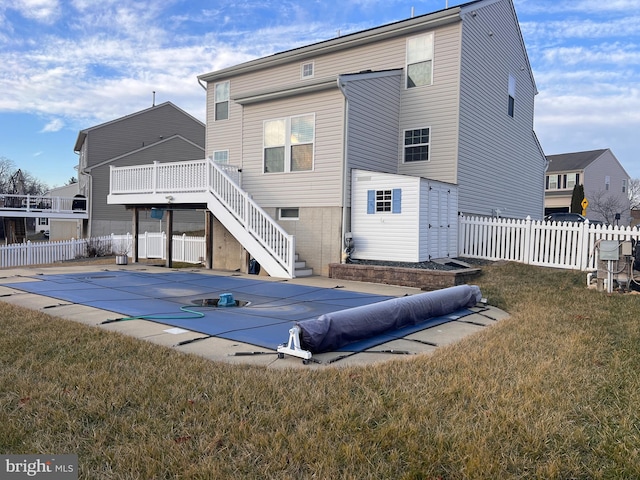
(61, 228)
(162, 133)
(605, 182)
(446, 97)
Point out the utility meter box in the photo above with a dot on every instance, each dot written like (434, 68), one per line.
(609, 250)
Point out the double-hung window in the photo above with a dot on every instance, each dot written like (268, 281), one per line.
(288, 144)
(416, 144)
(420, 60)
(221, 100)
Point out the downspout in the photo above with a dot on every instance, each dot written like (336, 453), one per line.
(345, 167)
(89, 197)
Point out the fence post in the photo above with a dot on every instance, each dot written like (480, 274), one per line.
(583, 245)
(526, 257)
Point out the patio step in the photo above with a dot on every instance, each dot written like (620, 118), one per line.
(300, 268)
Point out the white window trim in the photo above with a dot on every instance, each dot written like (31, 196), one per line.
(213, 155)
(404, 161)
(313, 70)
(216, 101)
(406, 60)
(287, 144)
(288, 219)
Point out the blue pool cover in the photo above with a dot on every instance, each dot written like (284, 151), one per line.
(176, 299)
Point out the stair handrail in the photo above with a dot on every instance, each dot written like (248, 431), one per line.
(251, 216)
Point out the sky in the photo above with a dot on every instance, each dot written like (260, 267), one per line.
(67, 65)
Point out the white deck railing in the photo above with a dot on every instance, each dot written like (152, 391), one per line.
(549, 244)
(260, 234)
(40, 204)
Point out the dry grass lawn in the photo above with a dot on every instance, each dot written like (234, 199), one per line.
(552, 392)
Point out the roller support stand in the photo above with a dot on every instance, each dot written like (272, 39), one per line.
(293, 347)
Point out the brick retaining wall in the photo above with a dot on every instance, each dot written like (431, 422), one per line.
(408, 277)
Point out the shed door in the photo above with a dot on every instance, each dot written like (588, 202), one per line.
(440, 204)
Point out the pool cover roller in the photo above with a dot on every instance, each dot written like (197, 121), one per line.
(334, 330)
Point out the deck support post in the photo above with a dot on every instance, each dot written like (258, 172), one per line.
(135, 233)
(208, 238)
(169, 245)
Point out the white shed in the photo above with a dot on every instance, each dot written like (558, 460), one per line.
(402, 218)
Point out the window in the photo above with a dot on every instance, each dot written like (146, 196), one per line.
(289, 213)
(624, 185)
(221, 156)
(306, 70)
(416, 145)
(512, 96)
(562, 182)
(420, 61)
(288, 144)
(384, 201)
(607, 181)
(221, 100)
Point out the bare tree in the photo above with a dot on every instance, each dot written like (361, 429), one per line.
(8, 172)
(634, 193)
(607, 205)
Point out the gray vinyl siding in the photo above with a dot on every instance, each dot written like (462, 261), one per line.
(500, 165)
(436, 106)
(321, 186)
(373, 123)
(373, 115)
(144, 128)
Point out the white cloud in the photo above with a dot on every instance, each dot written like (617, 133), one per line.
(54, 125)
(44, 11)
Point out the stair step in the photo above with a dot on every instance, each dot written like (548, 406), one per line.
(297, 264)
(304, 272)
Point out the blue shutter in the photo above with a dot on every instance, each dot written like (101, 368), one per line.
(371, 202)
(396, 200)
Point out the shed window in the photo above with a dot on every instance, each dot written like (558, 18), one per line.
(221, 100)
(416, 144)
(419, 61)
(384, 201)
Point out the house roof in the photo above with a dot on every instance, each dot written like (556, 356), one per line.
(402, 27)
(566, 162)
(83, 133)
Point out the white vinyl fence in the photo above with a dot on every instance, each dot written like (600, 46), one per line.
(151, 245)
(549, 244)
